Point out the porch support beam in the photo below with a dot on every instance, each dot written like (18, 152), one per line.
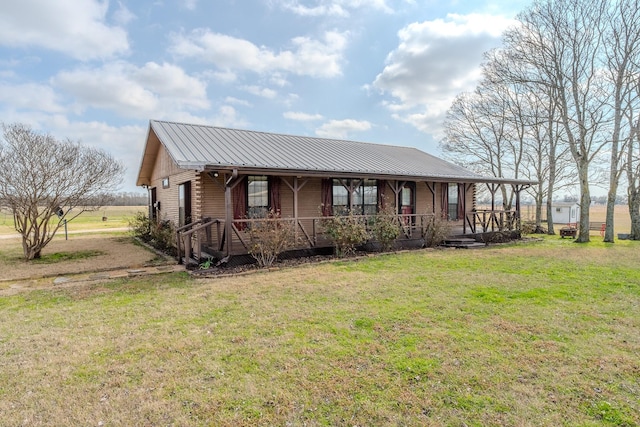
(295, 189)
(230, 182)
(397, 188)
(351, 187)
(432, 188)
(517, 188)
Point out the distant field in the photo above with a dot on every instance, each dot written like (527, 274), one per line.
(622, 222)
(105, 218)
(118, 216)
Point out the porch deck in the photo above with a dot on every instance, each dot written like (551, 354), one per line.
(207, 238)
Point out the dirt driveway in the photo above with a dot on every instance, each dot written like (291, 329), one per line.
(109, 253)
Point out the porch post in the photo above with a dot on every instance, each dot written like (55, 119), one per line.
(295, 188)
(228, 218)
(464, 207)
(397, 188)
(518, 189)
(432, 188)
(228, 209)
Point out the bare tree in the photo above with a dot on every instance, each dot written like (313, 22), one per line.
(476, 137)
(622, 48)
(507, 128)
(45, 181)
(560, 44)
(632, 167)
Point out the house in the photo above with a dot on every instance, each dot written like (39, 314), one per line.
(212, 182)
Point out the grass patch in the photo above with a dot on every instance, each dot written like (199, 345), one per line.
(541, 333)
(67, 256)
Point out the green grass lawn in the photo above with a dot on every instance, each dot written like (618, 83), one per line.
(105, 218)
(531, 334)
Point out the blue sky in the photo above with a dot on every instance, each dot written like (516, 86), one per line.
(380, 71)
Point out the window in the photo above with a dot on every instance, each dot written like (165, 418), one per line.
(340, 198)
(370, 196)
(453, 201)
(364, 198)
(257, 196)
(165, 182)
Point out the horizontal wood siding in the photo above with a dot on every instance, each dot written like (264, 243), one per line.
(424, 199)
(212, 196)
(168, 197)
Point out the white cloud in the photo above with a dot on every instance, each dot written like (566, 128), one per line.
(342, 128)
(123, 15)
(434, 61)
(225, 76)
(30, 96)
(190, 4)
(236, 101)
(301, 117)
(227, 116)
(315, 58)
(152, 90)
(76, 28)
(125, 143)
(260, 91)
(339, 8)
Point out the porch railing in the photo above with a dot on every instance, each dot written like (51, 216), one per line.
(483, 221)
(310, 230)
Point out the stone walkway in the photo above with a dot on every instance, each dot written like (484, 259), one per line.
(65, 281)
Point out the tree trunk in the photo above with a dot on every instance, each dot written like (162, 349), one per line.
(550, 229)
(585, 203)
(611, 204)
(634, 213)
(539, 211)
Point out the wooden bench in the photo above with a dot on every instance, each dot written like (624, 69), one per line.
(597, 226)
(571, 230)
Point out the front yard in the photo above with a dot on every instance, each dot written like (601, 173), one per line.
(539, 333)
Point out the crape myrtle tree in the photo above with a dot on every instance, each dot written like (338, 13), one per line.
(45, 181)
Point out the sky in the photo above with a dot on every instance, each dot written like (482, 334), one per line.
(382, 71)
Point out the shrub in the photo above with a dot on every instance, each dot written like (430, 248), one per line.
(438, 229)
(385, 228)
(159, 234)
(346, 231)
(269, 238)
(140, 226)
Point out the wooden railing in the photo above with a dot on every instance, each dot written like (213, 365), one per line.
(483, 221)
(190, 237)
(310, 230)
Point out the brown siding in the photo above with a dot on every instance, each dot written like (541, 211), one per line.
(212, 198)
(168, 197)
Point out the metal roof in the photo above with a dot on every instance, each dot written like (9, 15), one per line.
(209, 148)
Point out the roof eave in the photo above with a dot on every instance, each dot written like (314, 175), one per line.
(257, 170)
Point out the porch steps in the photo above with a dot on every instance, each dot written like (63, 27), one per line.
(462, 243)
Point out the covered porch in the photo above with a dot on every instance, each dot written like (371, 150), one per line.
(221, 238)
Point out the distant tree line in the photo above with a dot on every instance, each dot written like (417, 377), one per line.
(559, 103)
(128, 199)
